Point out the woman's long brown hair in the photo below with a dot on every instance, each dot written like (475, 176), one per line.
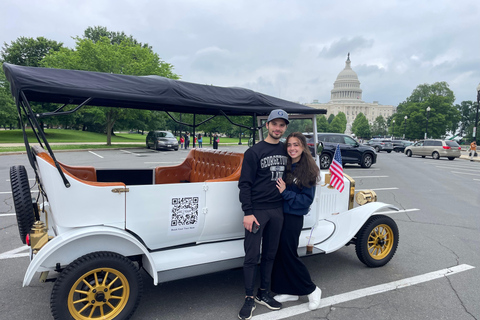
(306, 173)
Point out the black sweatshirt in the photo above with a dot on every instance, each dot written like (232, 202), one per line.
(262, 165)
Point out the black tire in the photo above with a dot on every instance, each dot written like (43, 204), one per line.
(148, 146)
(389, 151)
(377, 241)
(367, 161)
(176, 149)
(409, 153)
(155, 146)
(70, 293)
(423, 156)
(325, 160)
(22, 199)
(451, 158)
(377, 149)
(435, 155)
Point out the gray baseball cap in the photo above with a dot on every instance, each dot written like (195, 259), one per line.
(278, 114)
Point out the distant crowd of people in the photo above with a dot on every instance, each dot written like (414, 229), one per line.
(198, 141)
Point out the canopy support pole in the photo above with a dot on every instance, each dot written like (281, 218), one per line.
(32, 118)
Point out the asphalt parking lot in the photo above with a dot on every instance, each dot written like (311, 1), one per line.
(433, 275)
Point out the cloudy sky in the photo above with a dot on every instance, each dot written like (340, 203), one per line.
(292, 49)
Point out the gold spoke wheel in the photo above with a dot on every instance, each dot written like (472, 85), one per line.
(99, 294)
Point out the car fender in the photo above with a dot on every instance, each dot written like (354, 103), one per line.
(68, 246)
(348, 223)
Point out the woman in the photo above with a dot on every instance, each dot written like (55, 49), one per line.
(200, 145)
(290, 277)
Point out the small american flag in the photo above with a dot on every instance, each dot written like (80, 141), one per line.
(336, 170)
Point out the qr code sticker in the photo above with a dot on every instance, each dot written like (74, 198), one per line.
(184, 212)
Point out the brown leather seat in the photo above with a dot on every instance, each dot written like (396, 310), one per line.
(85, 174)
(203, 165)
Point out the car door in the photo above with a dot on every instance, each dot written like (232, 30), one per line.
(350, 150)
(417, 148)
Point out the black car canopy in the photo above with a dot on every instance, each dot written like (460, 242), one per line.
(75, 87)
(141, 92)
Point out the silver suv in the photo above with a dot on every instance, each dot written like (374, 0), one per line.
(434, 148)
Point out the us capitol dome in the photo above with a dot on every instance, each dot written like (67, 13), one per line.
(346, 97)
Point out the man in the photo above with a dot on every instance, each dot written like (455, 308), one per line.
(262, 205)
(473, 149)
(187, 140)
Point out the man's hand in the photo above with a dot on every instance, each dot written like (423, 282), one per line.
(248, 222)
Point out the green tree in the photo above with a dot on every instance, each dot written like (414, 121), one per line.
(443, 116)
(361, 127)
(379, 126)
(467, 110)
(28, 51)
(122, 56)
(339, 123)
(330, 118)
(322, 124)
(98, 32)
(343, 119)
(8, 111)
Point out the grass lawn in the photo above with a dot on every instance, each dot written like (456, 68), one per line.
(127, 140)
(59, 135)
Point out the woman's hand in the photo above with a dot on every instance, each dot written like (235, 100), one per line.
(281, 185)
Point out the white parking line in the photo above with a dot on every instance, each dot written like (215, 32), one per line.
(135, 154)
(14, 253)
(7, 214)
(357, 294)
(361, 177)
(470, 174)
(379, 189)
(456, 168)
(95, 154)
(162, 162)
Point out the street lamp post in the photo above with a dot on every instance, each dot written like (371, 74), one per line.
(426, 129)
(476, 115)
(405, 127)
(393, 131)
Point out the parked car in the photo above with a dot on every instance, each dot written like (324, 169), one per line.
(351, 150)
(380, 145)
(94, 228)
(161, 140)
(435, 148)
(400, 145)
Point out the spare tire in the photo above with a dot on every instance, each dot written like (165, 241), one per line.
(22, 199)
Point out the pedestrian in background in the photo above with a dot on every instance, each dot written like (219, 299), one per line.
(182, 140)
(473, 150)
(187, 140)
(200, 145)
(216, 139)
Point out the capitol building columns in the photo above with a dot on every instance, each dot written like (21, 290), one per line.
(346, 97)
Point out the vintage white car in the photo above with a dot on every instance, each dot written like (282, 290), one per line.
(96, 227)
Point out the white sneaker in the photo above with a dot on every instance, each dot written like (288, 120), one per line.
(314, 299)
(285, 297)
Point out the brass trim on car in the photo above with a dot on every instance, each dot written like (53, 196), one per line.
(366, 196)
(352, 191)
(38, 236)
